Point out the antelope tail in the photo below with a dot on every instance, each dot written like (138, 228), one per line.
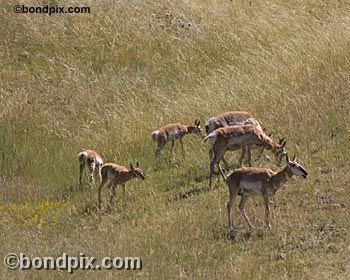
(212, 136)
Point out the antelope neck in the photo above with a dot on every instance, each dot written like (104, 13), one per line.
(281, 177)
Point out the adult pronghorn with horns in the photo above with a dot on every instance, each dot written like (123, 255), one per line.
(251, 181)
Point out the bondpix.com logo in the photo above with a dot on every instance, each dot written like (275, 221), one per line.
(70, 263)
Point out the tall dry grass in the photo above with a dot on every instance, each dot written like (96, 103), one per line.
(107, 79)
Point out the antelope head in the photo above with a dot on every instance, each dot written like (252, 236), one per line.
(280, 151)
(296, 168)
(138, 173)
(196, 129)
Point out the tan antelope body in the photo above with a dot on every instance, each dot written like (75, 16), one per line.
(232, 118)
(171, 132)
(245, 136)
(115, 174)
(92, 161)
(250, 181)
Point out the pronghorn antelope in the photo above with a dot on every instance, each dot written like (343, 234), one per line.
(171, 132)
(93, 162)
(263, 182)
(116, 174)
(231, 119)
(245, 136)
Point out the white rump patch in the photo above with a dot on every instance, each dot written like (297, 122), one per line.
(154, 135)
(82, 156)
(213, 123)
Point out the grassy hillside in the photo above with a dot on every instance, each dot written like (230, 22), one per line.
(107, 79)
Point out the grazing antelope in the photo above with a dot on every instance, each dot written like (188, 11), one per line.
(263, 182)
(241, 135)
(92, 161)
(170, 132)
(116, 174)
(230, 119)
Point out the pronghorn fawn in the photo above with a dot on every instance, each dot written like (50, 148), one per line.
(245, 136)
(115, 174)
(93, 163)
(171, 132)
(231, 119)
(250, 181)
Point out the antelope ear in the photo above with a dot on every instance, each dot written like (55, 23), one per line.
(131, 167)
(281, 141)
(294, 158)
(287, 158)
(137, 164)
(284, 143)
